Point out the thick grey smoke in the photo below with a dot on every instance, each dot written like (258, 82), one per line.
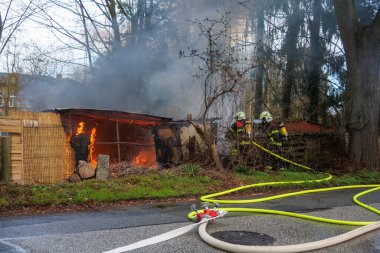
(146, 77)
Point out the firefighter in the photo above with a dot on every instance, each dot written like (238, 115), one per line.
(240, 133)
(276, 131)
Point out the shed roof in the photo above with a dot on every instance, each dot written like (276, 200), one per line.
(307, 127)
(121, 116)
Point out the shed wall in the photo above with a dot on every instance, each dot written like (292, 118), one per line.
(14, 128)
(40, 152)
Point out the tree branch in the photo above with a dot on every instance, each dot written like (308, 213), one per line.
(21, 18)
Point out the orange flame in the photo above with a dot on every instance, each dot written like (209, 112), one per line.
(145, 157)
(92, 147)
(141, 159)
(80, 128)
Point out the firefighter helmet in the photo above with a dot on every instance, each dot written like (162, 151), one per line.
(266, 116)
(240, 116)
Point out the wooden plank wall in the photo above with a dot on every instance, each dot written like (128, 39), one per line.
(16, 158)
(14, 128)
(314, 149)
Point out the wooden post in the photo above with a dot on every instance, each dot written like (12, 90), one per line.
(6, 145)
(2, 171)
(71, 127)
(118, 142)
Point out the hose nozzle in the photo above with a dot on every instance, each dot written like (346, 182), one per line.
(206, 205)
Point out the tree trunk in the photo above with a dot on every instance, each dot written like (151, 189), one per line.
(362, 49)
(148, 18)
(260, 68)
(88, 49)
(111, 4)
(293, 21)
(1, 27)
(314, 63)
(140, 21)
(209, 139)
(364, 115)
(215, 155)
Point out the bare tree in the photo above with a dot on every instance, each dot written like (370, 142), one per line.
(111, 5)
(221, 73)
(140, 15)
(106, 25)
(86, 34)
(99, 34)
(36, 61)
(12, 15)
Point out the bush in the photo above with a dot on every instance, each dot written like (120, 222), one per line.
(242, 169)
(3, 202)
(191, 169)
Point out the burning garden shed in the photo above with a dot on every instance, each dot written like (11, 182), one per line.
(45, 147)
(123, 136)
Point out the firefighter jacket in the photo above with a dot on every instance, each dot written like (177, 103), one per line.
(275, 131)
(239, 132)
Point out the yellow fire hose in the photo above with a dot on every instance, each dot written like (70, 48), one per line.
(368, 225)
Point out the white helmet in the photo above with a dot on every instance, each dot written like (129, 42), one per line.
(240, 116)
(265, 116)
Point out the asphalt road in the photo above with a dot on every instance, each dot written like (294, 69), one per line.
(104, 230)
